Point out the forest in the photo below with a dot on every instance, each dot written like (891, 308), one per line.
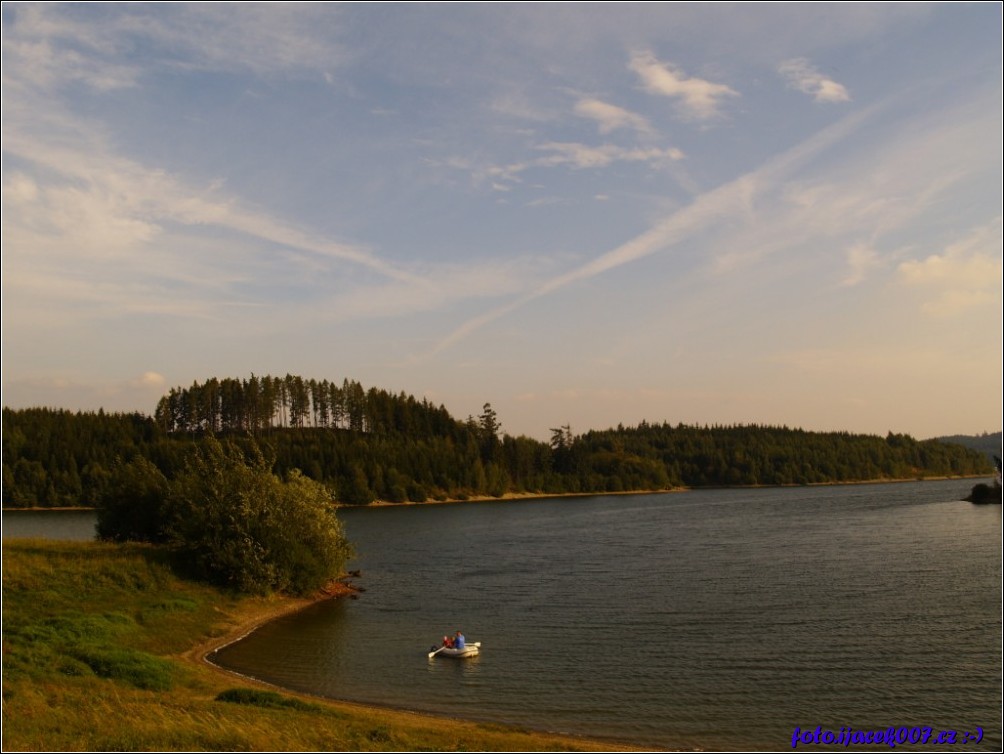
(370, 444)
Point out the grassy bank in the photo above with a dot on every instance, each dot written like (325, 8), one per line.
(102, 648)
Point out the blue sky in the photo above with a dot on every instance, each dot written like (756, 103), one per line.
(585, 214)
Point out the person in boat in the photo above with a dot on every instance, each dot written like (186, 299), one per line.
(458, 640)
(447, 642)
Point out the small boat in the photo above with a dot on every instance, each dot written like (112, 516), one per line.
(469, 650)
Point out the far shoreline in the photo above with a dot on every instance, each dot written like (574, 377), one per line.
(667, 491)
(557, 495)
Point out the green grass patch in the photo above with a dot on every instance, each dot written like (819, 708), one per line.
(139, 669)
(78, 644)
(262, 698)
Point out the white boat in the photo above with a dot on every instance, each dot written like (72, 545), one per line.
(469, 650)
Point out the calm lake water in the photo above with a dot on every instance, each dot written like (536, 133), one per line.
(73, 525)
(715, 619)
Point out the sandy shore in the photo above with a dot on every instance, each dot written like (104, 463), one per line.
(516, 496)
(548, 496)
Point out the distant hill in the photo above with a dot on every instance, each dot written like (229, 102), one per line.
(988, 443)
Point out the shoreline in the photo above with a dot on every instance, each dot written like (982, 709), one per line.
(556, 495)
(667, 491)
(515, 496)
(252, 618)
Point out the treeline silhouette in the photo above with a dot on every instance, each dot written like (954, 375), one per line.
(365, 445)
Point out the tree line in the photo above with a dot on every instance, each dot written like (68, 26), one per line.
(368, 444)
(261, 404)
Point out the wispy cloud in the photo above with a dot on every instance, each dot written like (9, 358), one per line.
(861, 259)
(773, 209)
(803, 76)
(52, 44)
(99, 201)
(609, 117)
(966, 275)
(149, 379)
(580, 157)
(583, 156)
(697, 98)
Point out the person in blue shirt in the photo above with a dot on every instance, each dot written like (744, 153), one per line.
(458, 640)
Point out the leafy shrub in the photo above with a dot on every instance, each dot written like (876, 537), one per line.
(237, 524)
(230, 520)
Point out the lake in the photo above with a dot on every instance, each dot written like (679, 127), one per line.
(715, 619)
(57, 524)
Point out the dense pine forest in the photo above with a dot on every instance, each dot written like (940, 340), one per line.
(370, 444)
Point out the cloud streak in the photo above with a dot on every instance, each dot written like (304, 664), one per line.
(610, 118)
(109, 202)
(54, 44)
(712, 206)
(578, 156)
(696, 98)
(801, 75)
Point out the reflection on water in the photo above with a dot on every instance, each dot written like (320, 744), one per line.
(719, 619)
(455, 668)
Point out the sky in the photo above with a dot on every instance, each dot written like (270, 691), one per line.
(584, 214)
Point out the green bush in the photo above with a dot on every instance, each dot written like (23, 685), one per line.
(236, 524)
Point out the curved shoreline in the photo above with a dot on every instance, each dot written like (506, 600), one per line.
(255, 618)
(258, 617)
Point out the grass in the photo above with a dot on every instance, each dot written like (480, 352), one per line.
(102, 648)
